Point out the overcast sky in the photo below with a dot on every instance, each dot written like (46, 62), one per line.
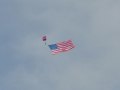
(27, 64)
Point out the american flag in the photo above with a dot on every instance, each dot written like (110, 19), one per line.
(61, 47)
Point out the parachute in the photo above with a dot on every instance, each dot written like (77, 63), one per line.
(44, 38)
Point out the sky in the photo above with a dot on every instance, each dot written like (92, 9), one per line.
(26, 63)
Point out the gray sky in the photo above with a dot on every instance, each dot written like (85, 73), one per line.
(27, 64)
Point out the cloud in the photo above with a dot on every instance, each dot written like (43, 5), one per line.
(93, 64)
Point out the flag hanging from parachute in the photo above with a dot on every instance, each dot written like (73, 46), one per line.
(61, 47)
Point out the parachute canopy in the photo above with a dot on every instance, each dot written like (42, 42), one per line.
(44, 38)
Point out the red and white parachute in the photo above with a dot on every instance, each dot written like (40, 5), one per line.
(44, 38)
